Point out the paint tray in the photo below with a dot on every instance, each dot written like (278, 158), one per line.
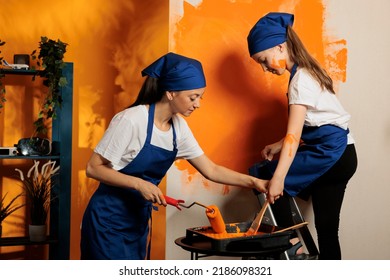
(235, 240)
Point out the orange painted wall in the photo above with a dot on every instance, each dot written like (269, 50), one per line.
(243, 108)
(111, 41)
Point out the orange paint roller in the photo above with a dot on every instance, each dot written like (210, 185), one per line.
(215, 218)
(212, 213)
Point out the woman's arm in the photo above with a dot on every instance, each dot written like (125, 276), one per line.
(289, 148)
(223, 175)
(98, 168)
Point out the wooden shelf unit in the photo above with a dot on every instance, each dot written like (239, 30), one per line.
(59, 236)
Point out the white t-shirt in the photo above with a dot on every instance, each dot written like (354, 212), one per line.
(323, 107)
(126, 135)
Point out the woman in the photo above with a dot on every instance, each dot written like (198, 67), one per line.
(139, 146)
(317, 156)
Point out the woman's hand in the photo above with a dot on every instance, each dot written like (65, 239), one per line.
(260, 185)
(150, 192)
(270, 150)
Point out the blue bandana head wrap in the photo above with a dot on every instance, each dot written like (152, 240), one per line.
(176, 72)
(269, 31)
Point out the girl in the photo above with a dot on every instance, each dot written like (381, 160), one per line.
(317, 155)
(139, 146)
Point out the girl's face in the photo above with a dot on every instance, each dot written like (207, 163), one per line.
(186, 101)
(273, 60)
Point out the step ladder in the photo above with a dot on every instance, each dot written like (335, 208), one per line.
(303, 233)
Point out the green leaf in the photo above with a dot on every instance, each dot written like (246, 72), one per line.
(63, 82)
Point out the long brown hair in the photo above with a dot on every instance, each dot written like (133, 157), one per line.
(304, 59)
(149, 93)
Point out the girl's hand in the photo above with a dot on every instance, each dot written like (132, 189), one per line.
(270, 150)
(275, 189)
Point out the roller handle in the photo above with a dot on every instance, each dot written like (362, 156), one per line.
(173, 202)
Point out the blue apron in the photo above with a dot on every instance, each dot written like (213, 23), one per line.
(322, 148)
(116, 223)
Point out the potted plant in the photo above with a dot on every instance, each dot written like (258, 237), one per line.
(7, 209)
(38, 188)
(50, 58)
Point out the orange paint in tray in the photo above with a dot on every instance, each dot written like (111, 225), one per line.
(233, 236)
(218, 226)
(225, 235)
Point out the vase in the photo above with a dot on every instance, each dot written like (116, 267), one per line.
(37, 233)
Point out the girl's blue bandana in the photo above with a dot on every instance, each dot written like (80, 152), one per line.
(269, 31)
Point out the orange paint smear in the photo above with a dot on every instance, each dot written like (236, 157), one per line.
(225, 190)
(185, 165)
(336, 60)
(281, 64)
(289, 140)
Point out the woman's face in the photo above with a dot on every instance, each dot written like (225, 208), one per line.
(185, 101)
(273, 60)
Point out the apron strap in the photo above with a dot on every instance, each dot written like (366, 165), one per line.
(293, 71)
(150, 127)
(292, 74)
(150, 123)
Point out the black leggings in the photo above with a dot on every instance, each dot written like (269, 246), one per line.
(327, 194)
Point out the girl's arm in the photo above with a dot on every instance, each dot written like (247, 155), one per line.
(270, 150)
(223, 175)
(289, 148)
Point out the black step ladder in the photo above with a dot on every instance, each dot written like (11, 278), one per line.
(303, 232)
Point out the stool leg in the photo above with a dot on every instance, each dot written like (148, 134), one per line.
(270, 219)
(303, 231)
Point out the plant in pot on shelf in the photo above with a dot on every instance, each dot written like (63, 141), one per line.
(50, 58)
(7, 209)
(38, 188)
